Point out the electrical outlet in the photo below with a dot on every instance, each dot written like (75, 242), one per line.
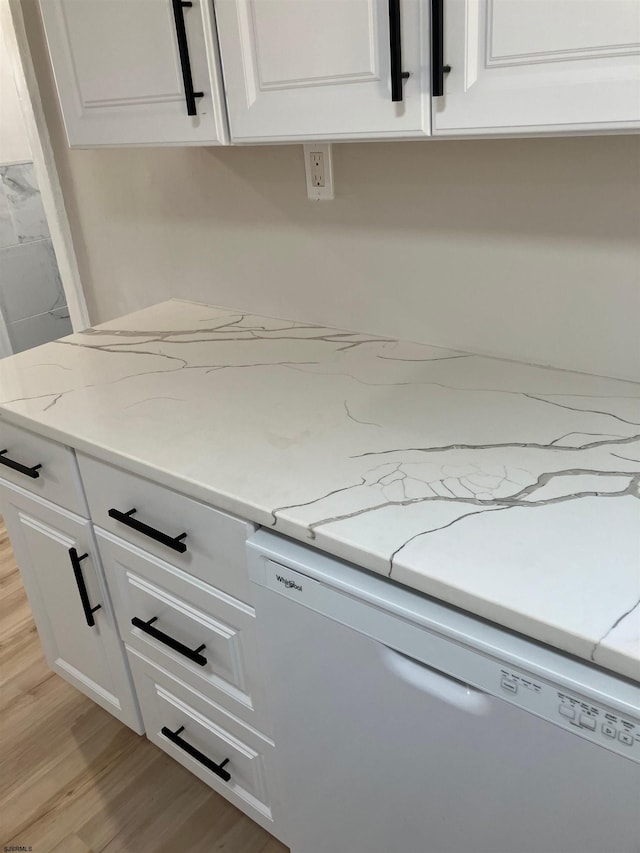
(319, 171)
(317, 168)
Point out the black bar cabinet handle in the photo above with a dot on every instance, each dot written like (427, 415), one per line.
(126, 518)
(176, 645)
(438, 68)
(32, 471)
(82, 589)
(174, 737)
(395, 51)
(183, 49)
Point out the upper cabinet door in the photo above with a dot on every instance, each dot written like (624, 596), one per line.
(122, 69)
(521, 66)
(322, 69)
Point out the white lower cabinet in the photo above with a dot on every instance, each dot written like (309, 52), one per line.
(189, 631)
(180, 604)
(61, 572)
(191, 628)
(230, 757)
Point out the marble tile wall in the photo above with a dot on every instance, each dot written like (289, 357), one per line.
(32, 301)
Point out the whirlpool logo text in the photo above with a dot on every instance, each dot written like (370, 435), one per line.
(289, 584)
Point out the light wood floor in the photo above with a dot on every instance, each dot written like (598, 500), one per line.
(75, 780)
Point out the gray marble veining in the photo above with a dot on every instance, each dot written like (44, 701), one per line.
(8, 234)
(506, 489)
(24, 202)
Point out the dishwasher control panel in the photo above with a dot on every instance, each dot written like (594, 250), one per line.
(599, 724)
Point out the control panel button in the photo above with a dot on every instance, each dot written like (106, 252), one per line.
(508, 684)
(588, 722)
(567, 711)
(626, 738)
(608, 730)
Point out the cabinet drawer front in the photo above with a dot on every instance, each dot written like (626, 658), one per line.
(42, 466)
(186, 626)
(213, 548)
(171, 707)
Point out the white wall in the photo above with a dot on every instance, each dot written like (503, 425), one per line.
(14, 143)
(528, 249)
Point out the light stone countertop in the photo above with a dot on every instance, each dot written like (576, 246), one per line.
(509, 490)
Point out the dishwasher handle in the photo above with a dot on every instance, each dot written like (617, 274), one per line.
(435, 683)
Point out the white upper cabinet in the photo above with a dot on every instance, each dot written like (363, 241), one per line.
(124, 68)
(324, 69)
(521, 66)
(147, 72)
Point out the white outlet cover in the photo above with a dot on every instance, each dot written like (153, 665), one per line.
(324, 193)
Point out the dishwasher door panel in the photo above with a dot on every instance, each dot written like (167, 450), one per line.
(379, 754)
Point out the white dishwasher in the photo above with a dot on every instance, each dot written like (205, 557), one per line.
(403, 725)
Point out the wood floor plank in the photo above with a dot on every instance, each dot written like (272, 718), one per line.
(71, 844)
(137, 827)
(207, 828)
(61, 774)
(91, 792)
(22, 664)
(73, 779)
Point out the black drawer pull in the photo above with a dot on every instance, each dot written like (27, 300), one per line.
(183, 49)
(32, 471)
(82, 589)
(395, 51)
(174, 542)
(174, 737)
(176, 645)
